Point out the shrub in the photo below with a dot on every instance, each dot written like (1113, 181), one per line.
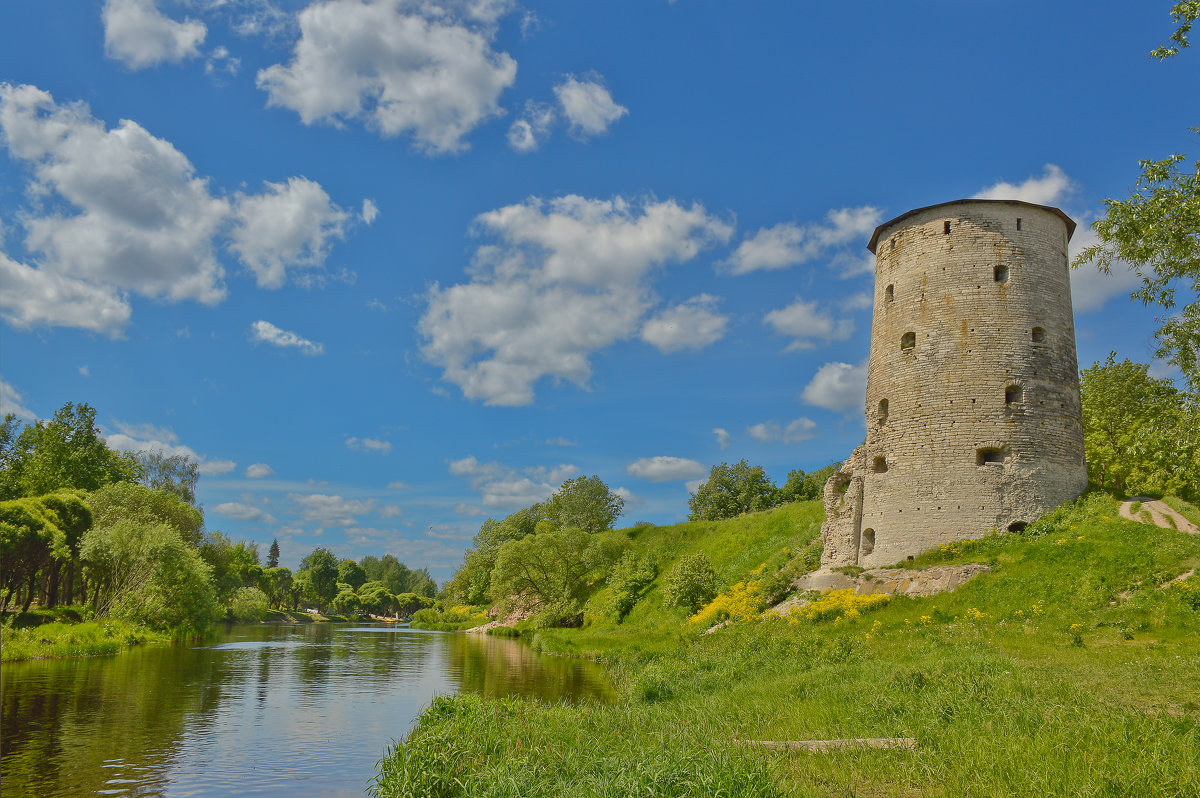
(742, 602)
(838, 604)
(691, 584)
(632, 574)
(250, 604)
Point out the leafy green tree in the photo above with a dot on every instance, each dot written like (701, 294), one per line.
(548, 573)
(630, 577)
(471, 584)
(732, 490)
(690, 584)
(38, 535)
(148, 505)
(1183, 13)
(346, 601)
(234, 564)
(322, 569)
(375, 598)
(586, 503)
(801, 487)
(175, 474)
(249, 604)
(1141, 434)
(352, 574)
(273, 554)
(277, 584)
(147, 573)
(64, 453)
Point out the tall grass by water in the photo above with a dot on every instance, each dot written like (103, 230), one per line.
(1070, 668)
(66, 639)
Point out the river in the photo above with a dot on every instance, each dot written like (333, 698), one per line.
(261, 710)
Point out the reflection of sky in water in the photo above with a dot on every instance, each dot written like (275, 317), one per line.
(303, 710)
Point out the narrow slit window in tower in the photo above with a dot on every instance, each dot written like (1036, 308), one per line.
(879, 465)
(989, 454)
(1039, 335)
(908, 341)
(1018, 222)
(889, 293)
(1012, 394)
(946, 228)
(868, 541)
(883, 411)
(1001, 273)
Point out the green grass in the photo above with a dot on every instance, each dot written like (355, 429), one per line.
(58, 639)
(1067, 669)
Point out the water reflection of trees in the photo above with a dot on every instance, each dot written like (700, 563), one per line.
(497, 667)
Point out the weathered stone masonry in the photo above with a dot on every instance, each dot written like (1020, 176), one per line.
(972, 404)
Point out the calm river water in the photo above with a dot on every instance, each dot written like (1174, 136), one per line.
(267, 710)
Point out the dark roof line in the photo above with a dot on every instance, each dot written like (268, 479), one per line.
(875, 236)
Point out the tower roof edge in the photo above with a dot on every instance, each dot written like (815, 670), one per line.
(1058, 212)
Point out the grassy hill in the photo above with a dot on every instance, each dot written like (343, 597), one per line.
(1070, 668)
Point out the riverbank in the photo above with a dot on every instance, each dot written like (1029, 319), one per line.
(63, 639)
(1068, 668)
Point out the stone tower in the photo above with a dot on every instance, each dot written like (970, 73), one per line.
(973, 415)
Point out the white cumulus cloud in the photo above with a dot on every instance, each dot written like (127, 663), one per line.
(693, 324)
(789, 244)
(401, 66)
(564, 278)
(291, 225)
(1092, 288)
(531, 129)
(369, 445)
(259, 470)
(150, 438)
(139, 35)
(805, 323)
(369, 211)
(11, 401)
(587, 105)
(267, 333)
(723, 437)
(244, 512)
(330, 510)
(506, 488)
(837, 386)
(1048, 189)
(666, 469)
(798, 430)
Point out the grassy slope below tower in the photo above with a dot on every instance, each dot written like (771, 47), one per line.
(1069, 669)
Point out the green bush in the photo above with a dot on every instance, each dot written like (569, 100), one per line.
(250, 604)
(632, 574)
(691, 584)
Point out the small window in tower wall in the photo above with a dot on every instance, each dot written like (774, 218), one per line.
(1001, 273)
(868, 541)
(883, 411)
(889, 293)
(946, 228)
(879, 465)
(1039, 335)
(1012, 394)
(989, 455)
(908, 341)
(1018, 223)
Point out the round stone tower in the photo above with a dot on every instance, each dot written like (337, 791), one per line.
(973, 415)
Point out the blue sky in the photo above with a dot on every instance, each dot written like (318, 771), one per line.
(386, 268)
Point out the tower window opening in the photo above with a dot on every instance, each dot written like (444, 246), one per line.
(1018, 222)
(908, 341)
(889, 293)
(879, 465)
(1001, 273)
(883, 411)
(1012, 394)
(946, 228)
(868, 541)
(1039, 335)
(989, 454)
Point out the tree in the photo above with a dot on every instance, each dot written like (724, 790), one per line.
(801, 487)
(351, 573)
(1156, 232)
(632, 574)
(1141, 435)
(690, 584)
(249, 604)
(732, 490)
(64, 453)
(586, 503)
(37, 536)
(322, 569)
(130, 500)
(471, 583)
(174, 474)
(548, 573)
(234, 564)
(277, 584)
(273, 554)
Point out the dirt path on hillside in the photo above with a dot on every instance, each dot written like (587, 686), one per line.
(1159, 512)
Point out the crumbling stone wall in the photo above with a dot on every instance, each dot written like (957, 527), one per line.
(972, 401)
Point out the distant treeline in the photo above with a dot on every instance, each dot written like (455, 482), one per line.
(121, 534)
